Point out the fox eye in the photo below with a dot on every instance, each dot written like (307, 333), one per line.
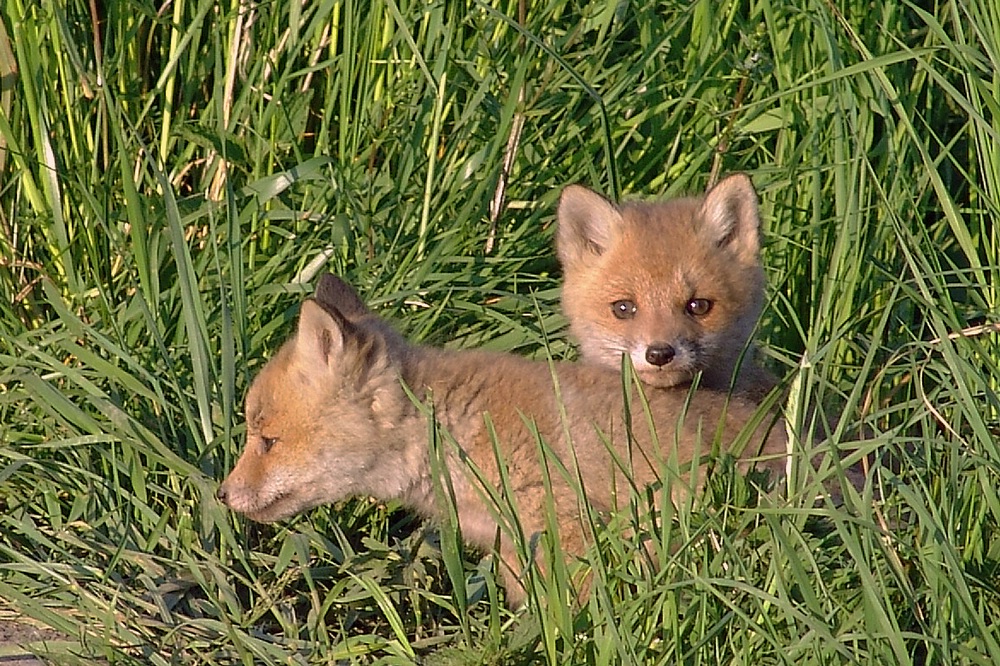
(698, 307)
(624, 309)
(268, 443)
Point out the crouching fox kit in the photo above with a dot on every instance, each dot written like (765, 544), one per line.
(329, 417)
(676, 285)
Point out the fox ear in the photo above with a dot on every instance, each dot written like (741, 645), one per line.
(587, 225)
(329, 346)
(730, 213)
(321, 335)
(333, 292)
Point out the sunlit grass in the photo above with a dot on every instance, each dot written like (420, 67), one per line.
(171, 183)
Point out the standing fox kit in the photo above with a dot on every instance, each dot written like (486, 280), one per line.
(676, 285)
(329, 418)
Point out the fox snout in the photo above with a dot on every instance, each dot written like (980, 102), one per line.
(226, 495)
(660, 354)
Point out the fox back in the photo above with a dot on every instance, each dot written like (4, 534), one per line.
(330, 417)
(677, 286)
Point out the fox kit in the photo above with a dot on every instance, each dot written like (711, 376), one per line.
(329, 417)
(677, 286)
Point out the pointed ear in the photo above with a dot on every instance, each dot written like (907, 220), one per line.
(321, 336)
(588, 225)
(333, 292)
(729, 212)
(329, 347)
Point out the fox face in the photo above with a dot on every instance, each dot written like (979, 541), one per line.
(320, 419)
(677, 286)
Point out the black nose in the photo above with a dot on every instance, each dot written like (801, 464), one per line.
(220, 494)
(659, 354)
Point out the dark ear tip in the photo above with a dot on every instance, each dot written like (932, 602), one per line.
(333, 292)
(330, 284)
(328, 281)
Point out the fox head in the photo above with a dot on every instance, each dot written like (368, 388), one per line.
(320, 416)
(677, 286)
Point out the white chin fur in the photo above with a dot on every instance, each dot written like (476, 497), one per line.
(671, 374)
(662, 378)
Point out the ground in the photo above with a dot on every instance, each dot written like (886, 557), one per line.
(14, 634)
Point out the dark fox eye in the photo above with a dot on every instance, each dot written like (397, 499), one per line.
(268, 443)
(623, 309)
(699, 307)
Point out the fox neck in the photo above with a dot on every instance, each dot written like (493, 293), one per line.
(455, 388)
(726, 368)
(423, 372)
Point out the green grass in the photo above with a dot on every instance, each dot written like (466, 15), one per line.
(172, 176)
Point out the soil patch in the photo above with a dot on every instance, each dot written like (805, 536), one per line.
(14, 634)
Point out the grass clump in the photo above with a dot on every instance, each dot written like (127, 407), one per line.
(173, 176)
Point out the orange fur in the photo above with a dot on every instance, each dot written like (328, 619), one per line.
(676, 285)
(328, 418)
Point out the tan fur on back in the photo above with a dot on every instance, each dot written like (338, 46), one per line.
(328, 418)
